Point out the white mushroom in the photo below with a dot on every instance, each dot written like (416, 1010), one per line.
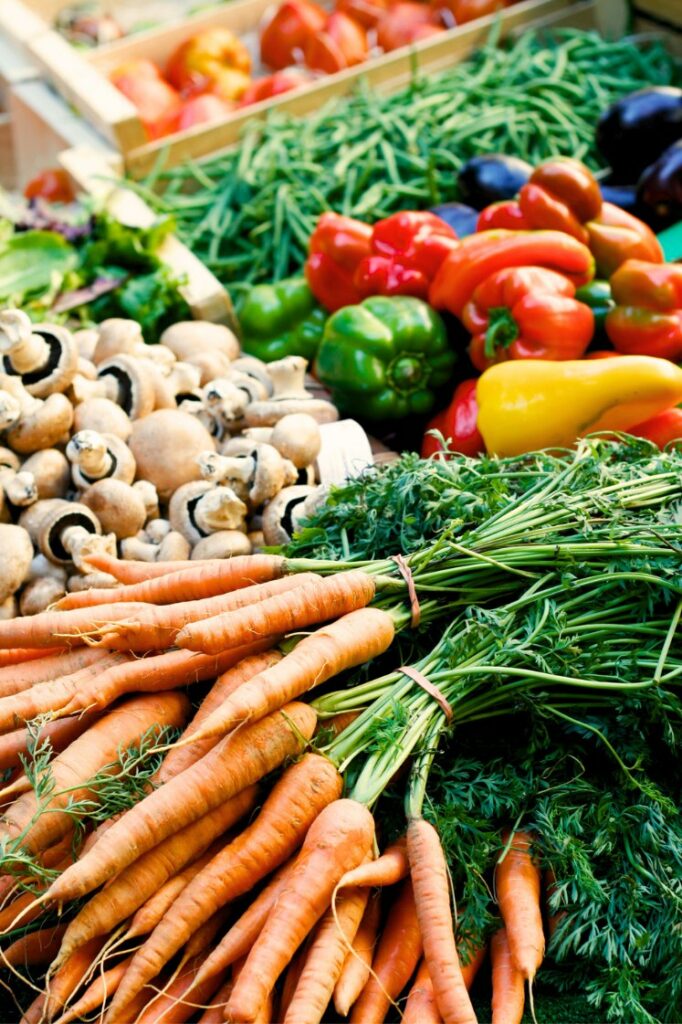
(96, 456)
(191, 336)
(289, 396)
(282, 516)
(41, 424)
(222, 544)
(51, 471)
(297, 437)
(198, 509)
(38, 595)
(157, 530)
(236, 471)
(16, 552)
(66, 531)
(118, 506)
(44, 356)
(104, 416)
(226, 402)
(150, 498)
(165, 446)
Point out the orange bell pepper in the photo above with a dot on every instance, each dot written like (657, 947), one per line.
(287, 33)
(214, 60)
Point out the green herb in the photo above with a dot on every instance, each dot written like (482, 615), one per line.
(33, 263)
(369, 155)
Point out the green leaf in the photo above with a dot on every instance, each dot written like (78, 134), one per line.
(30, 262)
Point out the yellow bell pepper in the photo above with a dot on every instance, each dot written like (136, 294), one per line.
(528, 404)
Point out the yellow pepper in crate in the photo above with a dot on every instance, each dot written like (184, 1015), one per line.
(535, 403)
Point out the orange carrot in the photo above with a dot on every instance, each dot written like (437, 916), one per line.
(17, 705)
(292, 977)
(235, 763)
(319, 600)
(325, 958)
(202, 579)
(246, 929)
(60, 734)
(37, 827)
(395, 960)
(350, 641)
(130, 571)
(170, 1008)
(391, 867)
(180, 758)
(18, 655)
(553, 917)
(24, 907)
(421, 1007)
(287, 814)
(432, 896)
(156, 627)
(97, 993)
(204, 936)
(52, 666)
(337, 840)
(358, 962)
(66, 629)
(34, 949)
(126, 893)
(64, 982)
(508, 984)
(214, 1013)
(517, 879)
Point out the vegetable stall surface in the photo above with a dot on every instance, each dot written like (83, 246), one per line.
(251, 211)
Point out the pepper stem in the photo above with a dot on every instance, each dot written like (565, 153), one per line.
(502, 330)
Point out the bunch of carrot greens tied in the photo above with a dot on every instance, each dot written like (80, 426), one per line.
(480, 704)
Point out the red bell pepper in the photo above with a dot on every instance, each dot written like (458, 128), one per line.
(287, 33)
(506, 214)
(617, 236)
(468, 10)
(647, 319)
(341, 44)
(480, 255)
(457, 423)
(157, 102)
(349, 261)
(405, 22)
(214, 60)
(367, 12)
(526, 313)
(662, 429)
(273, 85)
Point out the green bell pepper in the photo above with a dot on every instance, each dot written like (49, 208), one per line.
(280, 320)
(597, 295)
(382, 359)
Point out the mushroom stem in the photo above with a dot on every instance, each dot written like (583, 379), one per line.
(88, 451)
(10, 410)
(20, 488)
(80, 544)
(23, 350)
(219, 509)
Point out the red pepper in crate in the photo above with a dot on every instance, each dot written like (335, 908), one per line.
(406, 22)
(662, 429)
(526, 313)
(647, 319)
(341, 44)
(457, 423)
(273, 85)
(367, 12)
(480, 255)
(158, 104)
(214, 60)
(336, 247)
(407, 250)
(468, 10)
(288, 31)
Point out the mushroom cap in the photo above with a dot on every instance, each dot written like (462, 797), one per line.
(117, 505)
(47, 426)
(60, 516)
(271, 410)
(156, 530)
(253, 367)
(280, 518)
(86, 339)
(104, 416)
(61, 366)
(200, 508)
(165, 445)
(190, 336)
(10, 410)
(16, 553)
(51, 472)
(297, 437)
(173, 548)
(117, 336)
(136, 381)
(210, 364)
(39, 595)
(222, 544)
(9, 460)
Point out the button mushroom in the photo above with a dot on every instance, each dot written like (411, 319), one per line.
(198, 509)
(289, 396)
(235, 471)
(95, 456)
(39, 595)
(226, 402)
(283, 515)
(16, 552)
(104, 416)
(41, 424)
(297, 437)
(45, 357)
(191, 336)
(165, 446)
(51, 471)
(222, 544)
(66, 531)
(118, 506)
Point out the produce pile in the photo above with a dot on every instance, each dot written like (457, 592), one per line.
(511, 678)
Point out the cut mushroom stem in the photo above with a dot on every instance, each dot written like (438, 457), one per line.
(99, 456)
(236, 471)
(46, 358)
(289, 396)
(23, 350)
(20, 488)
(198, 509)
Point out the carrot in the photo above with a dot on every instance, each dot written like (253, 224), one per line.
(66, 629)
(204, 936)
(350, 641)
(421, 1007)
(156, 627)
(170, 1007)
(36, 827)
(337, 840)
(214, 1012)
(246, 929)
(391, 867)
(553, 917)
(508, 983)
(18, 655)
(97, 993)
(130, 571)
(397, 955)
(337, 723)
(292, 977)
(180, 758)
(34, 949)
(358, 962)
(64, 982)
(201, 579)
(127, 892)
(289, 811)
(325, 958)
(432, 897)
(60, 734)
(22, 696)
(24, 907)
(117, 675)
(517, 880)
(235, 763)
(319, 600)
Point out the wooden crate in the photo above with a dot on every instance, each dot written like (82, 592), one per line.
(82, 78)
(668, 12)
(97, 174)
(14, 69)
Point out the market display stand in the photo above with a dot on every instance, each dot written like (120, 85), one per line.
(82, 80)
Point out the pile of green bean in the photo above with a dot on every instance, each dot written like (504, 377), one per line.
(248, 213)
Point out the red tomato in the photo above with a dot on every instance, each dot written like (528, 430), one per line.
(273, 85)
(404, 23)
(342, 44)
(202, 109)
(52, 184)
(288, 32)
(158, 104)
